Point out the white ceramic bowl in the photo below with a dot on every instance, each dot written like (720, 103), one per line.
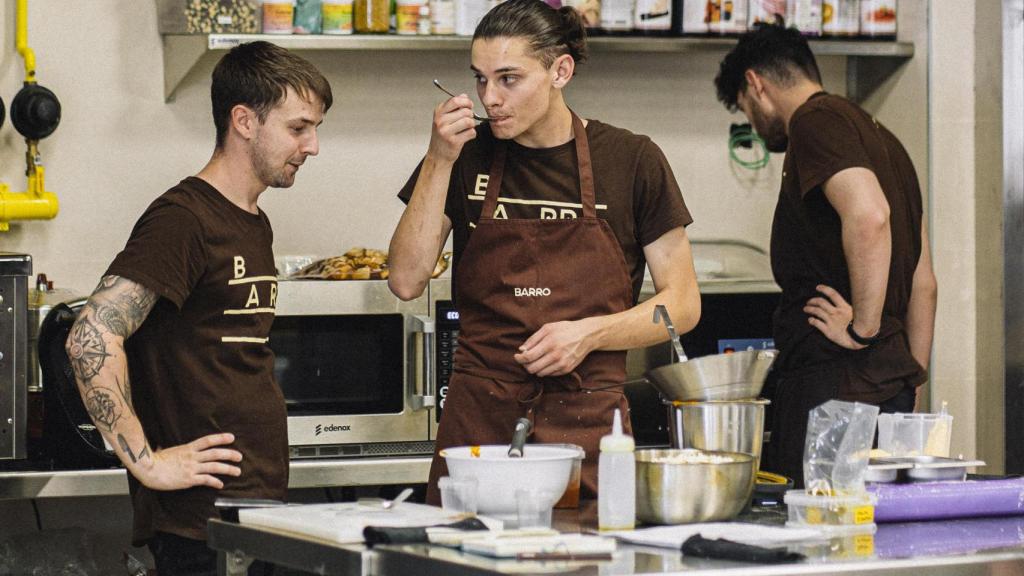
(545, 468)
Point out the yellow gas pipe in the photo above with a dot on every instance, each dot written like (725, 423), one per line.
(35, 203)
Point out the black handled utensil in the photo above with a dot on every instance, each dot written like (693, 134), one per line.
(523, 426)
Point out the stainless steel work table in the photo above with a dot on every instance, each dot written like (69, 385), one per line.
(303, 474)
(240, 544)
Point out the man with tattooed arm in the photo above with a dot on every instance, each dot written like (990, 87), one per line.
(170, 352)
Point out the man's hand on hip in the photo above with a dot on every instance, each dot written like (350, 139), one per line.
(830, 313)
(197, 463)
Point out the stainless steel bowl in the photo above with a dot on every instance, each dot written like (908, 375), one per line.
(679, 493)
(726, 425)
(735, 376)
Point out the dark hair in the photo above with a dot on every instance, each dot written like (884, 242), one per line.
(258, 75)
(550, 32)
(771, 50)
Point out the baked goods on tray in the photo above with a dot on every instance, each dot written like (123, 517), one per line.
(359, 264)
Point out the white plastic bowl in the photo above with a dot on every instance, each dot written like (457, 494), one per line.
(544, 468)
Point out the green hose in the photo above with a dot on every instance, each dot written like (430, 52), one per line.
(742, 137)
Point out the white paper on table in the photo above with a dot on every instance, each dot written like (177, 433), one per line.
(343, 522)
(746, 533)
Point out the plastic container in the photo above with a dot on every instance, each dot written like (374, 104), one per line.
(805, 16)
(278, 16)
(617, 16)
(727, 16)
(308, 17)
(901, 434)
(407, 16)
(652, 17)
(694, 20)
(878, 18)
(840, 18)
(337, 16)
(442, 17)
(830, 511)
(468, 14)
(616, 480)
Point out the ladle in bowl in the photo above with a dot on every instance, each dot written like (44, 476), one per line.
(661, 313)
(515, 450)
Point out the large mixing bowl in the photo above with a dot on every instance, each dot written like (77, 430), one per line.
(734, 376)
(542, 467)
(684, 492)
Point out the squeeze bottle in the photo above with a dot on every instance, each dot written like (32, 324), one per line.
(616, 480)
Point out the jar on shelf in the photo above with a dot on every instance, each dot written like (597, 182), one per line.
(278, 16)
(878, 18)
(840, 18)
(337, 16)
(442, 17)
(371, 16)
(407, 16)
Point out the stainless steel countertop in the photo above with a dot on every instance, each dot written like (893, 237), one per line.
(303, 474)
(326, 558)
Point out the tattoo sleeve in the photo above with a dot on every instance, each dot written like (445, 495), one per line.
(95, 348)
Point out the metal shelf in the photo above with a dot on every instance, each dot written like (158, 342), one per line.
(183, 52)
(312, 473)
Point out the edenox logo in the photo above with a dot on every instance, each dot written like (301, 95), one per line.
(332, 428)
(531, 292)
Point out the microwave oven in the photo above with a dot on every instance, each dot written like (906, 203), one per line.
(355, 364)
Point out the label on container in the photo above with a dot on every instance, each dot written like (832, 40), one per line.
(695, 19)
(407, 18)
(864, 514)
(617, 15)
(727, 16)
(442, 17)
(277, 17)
(337, 18)
(805, 16)
(653, 15)
(840, 18)
(766, 12)
(878, 17)
(864, 544)
(468, 14)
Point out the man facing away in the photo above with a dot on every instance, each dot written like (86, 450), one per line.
(849, 247)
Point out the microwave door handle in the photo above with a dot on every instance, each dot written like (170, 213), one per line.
(426, 379)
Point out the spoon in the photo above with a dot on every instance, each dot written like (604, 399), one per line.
(476, 116)
(661, 313)
(389, 504)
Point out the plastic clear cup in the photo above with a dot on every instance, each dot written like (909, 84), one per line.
(533, 507)
(458, 494)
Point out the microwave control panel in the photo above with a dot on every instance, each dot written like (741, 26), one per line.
(446, 325)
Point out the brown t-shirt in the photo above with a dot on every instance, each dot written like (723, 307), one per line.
(636, 192)
(828, 134)
(200, 363)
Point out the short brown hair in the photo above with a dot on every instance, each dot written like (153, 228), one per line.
(258, 75)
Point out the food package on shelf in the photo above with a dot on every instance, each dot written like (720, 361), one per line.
(208, 16)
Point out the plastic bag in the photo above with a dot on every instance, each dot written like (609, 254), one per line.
(838, 445)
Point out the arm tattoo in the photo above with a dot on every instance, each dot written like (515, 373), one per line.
(127, 449)
(86, 350)
(125, 388)
(122, 305)
(103, 407)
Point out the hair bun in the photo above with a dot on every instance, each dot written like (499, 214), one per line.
(574, 33)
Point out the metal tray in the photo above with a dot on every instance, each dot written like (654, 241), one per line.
(918, 469)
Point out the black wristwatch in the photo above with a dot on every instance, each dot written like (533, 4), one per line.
(860, 339)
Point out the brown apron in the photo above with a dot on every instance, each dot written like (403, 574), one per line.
(514, 276)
